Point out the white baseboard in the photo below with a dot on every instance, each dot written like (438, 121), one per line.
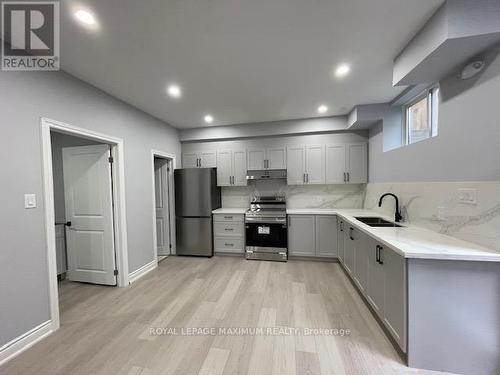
(25, 341)
(137, 274)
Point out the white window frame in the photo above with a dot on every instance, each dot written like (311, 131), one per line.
(432, 94)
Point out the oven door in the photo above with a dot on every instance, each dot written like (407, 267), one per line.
(261, 236)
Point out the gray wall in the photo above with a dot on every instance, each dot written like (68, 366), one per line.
(24, 98)
(468, 141)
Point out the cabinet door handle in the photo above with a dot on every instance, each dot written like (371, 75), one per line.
(304, 178)
(307, 177)
(341, 226)
(289, 221)
(348, 177)
(351, 230)
(345, 178)
(377, 253)
(380, 255)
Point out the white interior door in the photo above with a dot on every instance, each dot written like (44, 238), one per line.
(162, 207)
(89, 208)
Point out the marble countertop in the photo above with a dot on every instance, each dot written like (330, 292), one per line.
(234, 211)
(410, 241)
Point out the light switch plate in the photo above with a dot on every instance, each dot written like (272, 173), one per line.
(29, 200)
(467, 196)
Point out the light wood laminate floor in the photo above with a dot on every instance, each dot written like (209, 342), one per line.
(106, 330)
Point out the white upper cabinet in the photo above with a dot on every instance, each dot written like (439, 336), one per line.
(270, 158)
(305, 164)
(315, 164)
(208, 159)
(256, 159)
(295, 165)
(239, 168)
(310, 162)
(199, 159)
(276, 157)
(335, 164)
(224, 168)
(190, 160)
(231, 168)
(357, 171)
(347, 163)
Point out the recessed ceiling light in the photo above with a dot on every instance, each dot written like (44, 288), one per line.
(85, 17)
(342, 70)
(174, 91)
(322, 109)
(208, 119)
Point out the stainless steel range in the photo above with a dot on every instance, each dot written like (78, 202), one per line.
(266, 229)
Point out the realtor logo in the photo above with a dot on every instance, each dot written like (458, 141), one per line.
(30, 35)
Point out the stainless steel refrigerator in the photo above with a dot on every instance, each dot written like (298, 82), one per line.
(196, 195)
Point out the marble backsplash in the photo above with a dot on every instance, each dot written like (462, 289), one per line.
(436, 206)
(308, 196)
(432, 205)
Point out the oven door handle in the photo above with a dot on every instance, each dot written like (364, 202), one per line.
(265, 221)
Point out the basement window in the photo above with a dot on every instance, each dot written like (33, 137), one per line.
(421, 116)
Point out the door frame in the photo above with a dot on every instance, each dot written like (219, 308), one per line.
(119, 212)
(171, 199)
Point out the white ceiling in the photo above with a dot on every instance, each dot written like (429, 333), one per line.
(240, 60)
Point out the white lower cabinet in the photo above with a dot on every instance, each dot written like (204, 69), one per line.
(380, 275)
(349, 249)
(229, 233)
(340, 239)
(361, 260)
(326, 236)
(301, 235)
(378, 272)
(312, 235)
(376, 279)
(395, 294)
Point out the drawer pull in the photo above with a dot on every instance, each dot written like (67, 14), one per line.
(228, 217)
(229, 244)
(228, 229)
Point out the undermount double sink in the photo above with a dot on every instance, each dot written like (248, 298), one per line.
(377, 222)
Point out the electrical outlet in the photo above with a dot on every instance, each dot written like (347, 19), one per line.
(467, 196)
